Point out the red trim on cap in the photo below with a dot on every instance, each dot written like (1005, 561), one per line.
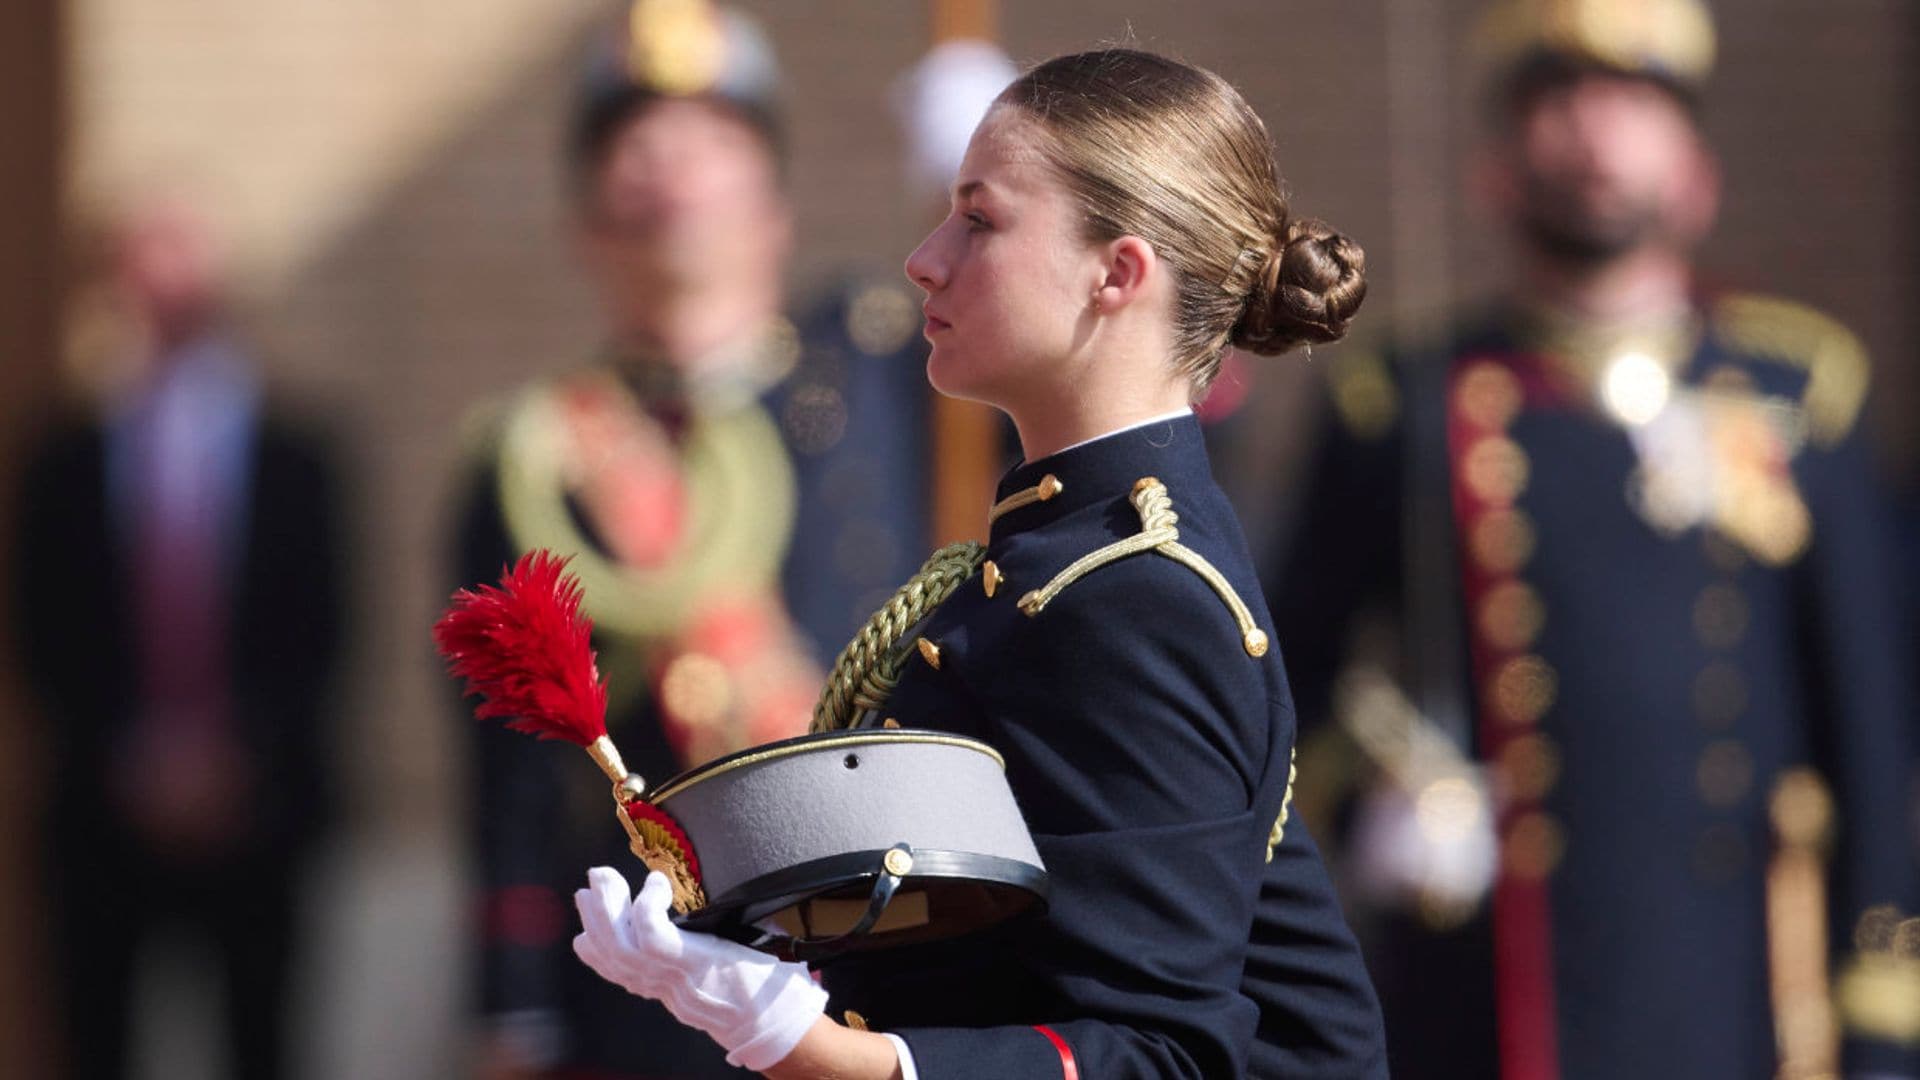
(1068, 1069)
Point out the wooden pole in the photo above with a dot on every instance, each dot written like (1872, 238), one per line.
(966, 435)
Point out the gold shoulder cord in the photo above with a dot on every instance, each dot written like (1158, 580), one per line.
(742, 500)
(867, 669)
(1159, 532)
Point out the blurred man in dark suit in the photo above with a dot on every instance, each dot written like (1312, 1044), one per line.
(178, 600)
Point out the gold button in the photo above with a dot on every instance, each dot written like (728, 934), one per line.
(1048, 487)
(1720, 854)
(1511, 616)
(1255, 642)
(929, 651)
(855, 1021)
(1724, 554)
(1533, 847)
(990, 577)
(1725, 773)
(1719, 694)
(1523, 689)
(1495, 469)
(1487, 394)
(897, 862)
(1801, 808)
(1529, 765)
(1720, 616)
(1502, 541)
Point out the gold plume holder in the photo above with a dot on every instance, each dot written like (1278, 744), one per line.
(650, 840)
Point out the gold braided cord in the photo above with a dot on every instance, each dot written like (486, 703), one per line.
(1181, 553)
(741, 497)
(1159, 532)
(1279, 830)
(866, 670)
(1158, 523)
(1047, 488)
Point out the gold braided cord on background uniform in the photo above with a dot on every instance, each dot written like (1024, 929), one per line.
(741, 497)
(866, 670)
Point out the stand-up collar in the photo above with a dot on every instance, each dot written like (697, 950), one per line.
(1098, 472)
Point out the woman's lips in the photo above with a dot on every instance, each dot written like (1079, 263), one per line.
(934, 322)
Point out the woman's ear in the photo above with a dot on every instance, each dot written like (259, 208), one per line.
(1131, 268)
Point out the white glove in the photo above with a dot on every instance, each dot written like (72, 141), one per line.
(757, 1008)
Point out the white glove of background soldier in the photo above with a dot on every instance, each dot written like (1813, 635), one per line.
(757, 1008)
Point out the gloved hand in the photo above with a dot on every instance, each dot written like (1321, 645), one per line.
(757, 1008)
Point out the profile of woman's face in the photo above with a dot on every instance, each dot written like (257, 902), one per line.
(1008, 277)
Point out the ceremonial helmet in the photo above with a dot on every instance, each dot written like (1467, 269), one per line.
(1523, 43)
(675, 49)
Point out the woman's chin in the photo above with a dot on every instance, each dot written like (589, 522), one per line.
(947, 374)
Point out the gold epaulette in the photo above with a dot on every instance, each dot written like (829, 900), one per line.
(1364, 397)
(1159, 532)
(1799, 336)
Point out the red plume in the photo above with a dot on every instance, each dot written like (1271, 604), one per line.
(524, 648)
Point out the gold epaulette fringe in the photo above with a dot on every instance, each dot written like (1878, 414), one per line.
(867, 669)
(1159, 532)
(1835, 361)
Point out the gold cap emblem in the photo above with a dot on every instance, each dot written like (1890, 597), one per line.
(677, 47)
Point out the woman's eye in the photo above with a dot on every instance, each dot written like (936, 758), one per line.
(976, 220)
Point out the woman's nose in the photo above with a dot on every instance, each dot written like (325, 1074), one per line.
(924, 267)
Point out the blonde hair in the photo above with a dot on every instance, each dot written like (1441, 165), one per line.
(1171, 153)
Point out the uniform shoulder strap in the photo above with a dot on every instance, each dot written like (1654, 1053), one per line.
(1159, 532)
(1798, 336)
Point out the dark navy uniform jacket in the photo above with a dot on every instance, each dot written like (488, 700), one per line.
(1661, 682)
(1151, 755)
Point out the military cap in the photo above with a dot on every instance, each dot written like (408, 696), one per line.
(675, 49)
(1523, 42)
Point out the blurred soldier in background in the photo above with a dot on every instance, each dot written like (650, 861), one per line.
(737, 496)
(178, 602)
(1595, 584)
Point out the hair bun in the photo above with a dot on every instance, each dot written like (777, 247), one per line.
(1306, 294)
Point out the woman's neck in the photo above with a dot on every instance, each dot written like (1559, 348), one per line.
(1077, 417)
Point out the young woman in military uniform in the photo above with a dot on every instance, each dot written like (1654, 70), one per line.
(1117, 224)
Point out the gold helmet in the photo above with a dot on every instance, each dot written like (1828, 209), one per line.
(1669, 41)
